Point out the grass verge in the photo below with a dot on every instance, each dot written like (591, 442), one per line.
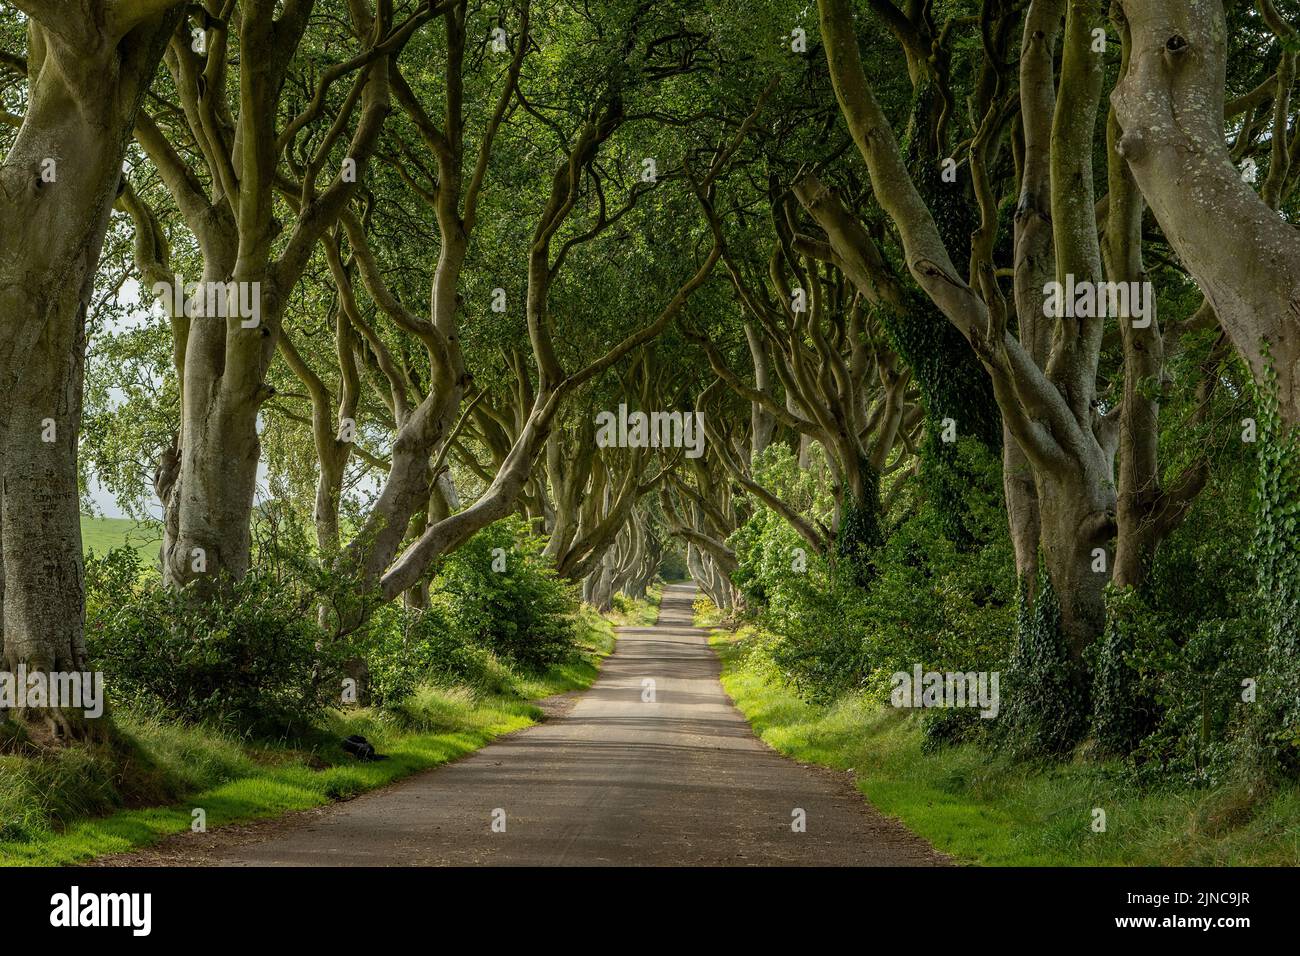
(629, 613)
(70, 806)
(987, 810)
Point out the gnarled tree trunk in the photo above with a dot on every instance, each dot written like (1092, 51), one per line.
(88, 68)
(1170, 109)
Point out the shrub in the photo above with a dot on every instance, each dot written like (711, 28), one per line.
(404, 649)
(949, 726)
(921, 601)
(523, 613)
(1169, 670)
(253, 659)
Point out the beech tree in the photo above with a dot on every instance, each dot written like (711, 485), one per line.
(87, 67)
(1170, 110)
(244, 143)
(1044, 375)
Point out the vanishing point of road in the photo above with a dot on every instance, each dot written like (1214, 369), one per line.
(624, 777)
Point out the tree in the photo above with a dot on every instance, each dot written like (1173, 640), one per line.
(207, 482)
(88, 66)
(1045, 378)
(1171, 115)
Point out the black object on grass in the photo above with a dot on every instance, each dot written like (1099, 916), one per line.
(361, 748)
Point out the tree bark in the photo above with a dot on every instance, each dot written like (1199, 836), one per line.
(88, 69)
(1244, 257)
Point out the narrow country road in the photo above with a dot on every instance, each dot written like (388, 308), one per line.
(618, 780)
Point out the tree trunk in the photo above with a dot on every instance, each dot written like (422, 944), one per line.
(1077, 519)
(212, 498)
(1170, 109)
(762, 421)
(88, 70)
(1021, 495)
(44, 614)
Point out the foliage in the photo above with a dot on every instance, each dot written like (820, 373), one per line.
(523, 613)
(1120, 716)
(406, 648)
(927, 603)
(859, 532)
(256, 660)
(1046, 689)
(253, 660)
(1276, 553)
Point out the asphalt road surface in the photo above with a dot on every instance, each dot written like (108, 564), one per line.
(625, 777)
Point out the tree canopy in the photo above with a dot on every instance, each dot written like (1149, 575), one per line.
(954, 331)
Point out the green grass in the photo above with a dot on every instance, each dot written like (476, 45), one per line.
(103, 534)
(629, 613)
(984, 809)
(69, 806)
(708, 614)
